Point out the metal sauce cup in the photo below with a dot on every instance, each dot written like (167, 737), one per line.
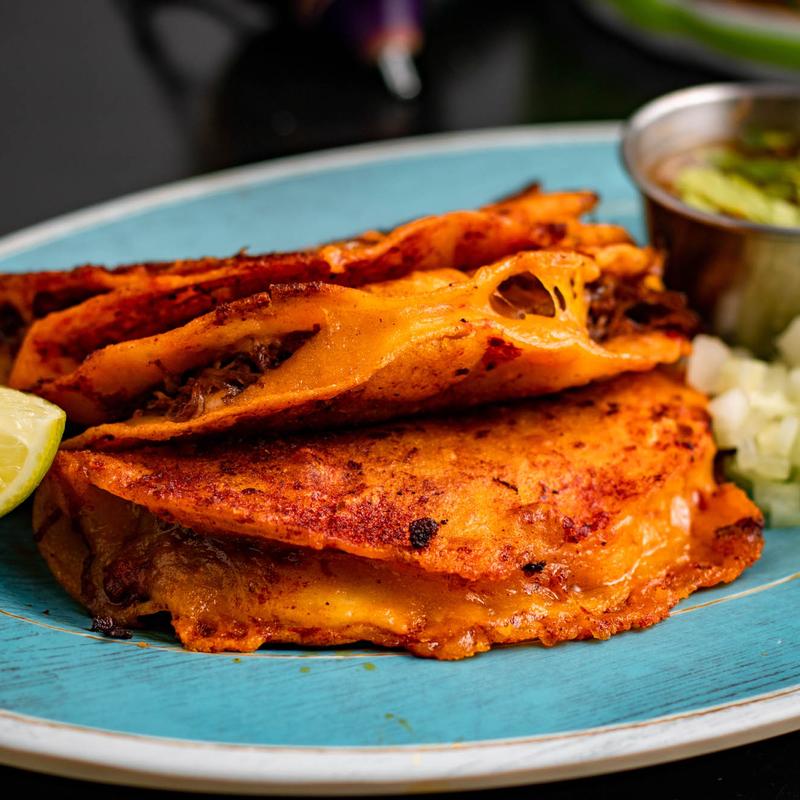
(743, 277)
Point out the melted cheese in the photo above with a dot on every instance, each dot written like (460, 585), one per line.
(234, 594)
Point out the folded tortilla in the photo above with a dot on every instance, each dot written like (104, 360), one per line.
(578, 516)
(26, 297)
(154, 298)
(317, 355)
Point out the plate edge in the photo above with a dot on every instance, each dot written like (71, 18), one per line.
(61, 749)
(17, 242)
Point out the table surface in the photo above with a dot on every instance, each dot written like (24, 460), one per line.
(107, 98)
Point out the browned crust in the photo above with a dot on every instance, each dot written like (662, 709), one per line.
(128, 582)
(543, 476)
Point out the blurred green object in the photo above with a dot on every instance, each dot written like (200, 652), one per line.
(743, 38)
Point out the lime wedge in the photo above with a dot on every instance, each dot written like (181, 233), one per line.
(30, 432)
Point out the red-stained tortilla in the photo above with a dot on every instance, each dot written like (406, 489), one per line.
(576, 516)
(71, 314)
(318, 356)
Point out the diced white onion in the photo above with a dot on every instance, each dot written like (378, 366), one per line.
(755, 411)
(729, 412)
(780, 500)
(772, 405)
(788, 343)
(707, 358)
(776, 378)
(777, 437)
(745, 373)
(793, 384)
(750, 461)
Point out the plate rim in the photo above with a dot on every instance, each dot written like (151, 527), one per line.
(149, 761)
(179, 764)
(16, 242)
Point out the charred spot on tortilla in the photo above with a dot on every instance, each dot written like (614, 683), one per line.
(421, 531)
(534, 567)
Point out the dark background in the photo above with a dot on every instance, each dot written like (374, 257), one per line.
(101, 98)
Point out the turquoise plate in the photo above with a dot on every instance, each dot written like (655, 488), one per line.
(724, 669)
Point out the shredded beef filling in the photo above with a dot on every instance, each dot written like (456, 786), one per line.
(616, 306)
(619, 307)
(187, 397)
